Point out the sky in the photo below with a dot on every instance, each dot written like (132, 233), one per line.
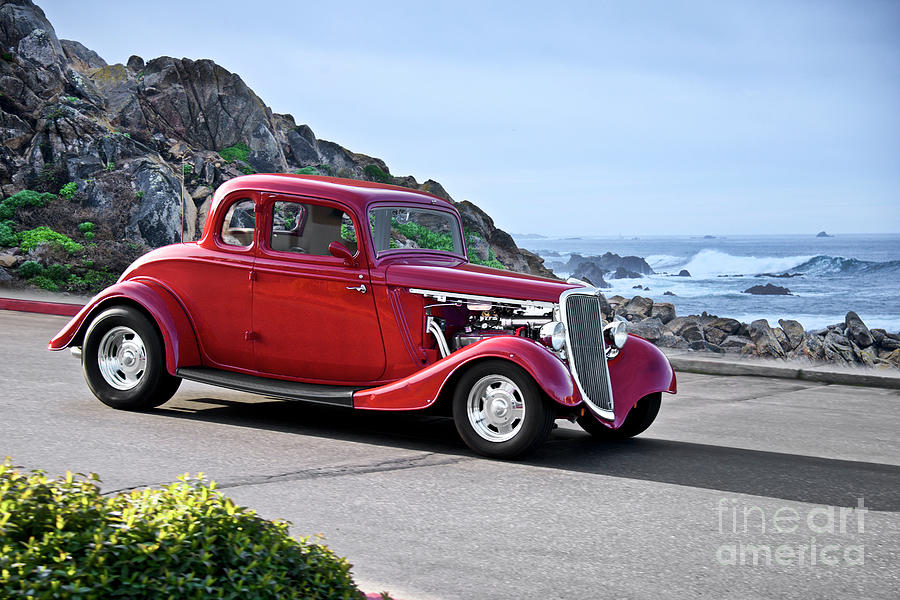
(573, 118)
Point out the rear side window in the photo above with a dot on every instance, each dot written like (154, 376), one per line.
(239, 224)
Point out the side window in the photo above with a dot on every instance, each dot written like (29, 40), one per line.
(239, 224)
(310, 228)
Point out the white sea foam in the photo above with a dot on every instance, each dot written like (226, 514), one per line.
(712, 263)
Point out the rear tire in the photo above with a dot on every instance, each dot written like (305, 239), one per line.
(124, 361)
(500, 411)
(638, 420)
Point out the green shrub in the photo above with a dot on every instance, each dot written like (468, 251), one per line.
(57, 272)
(71, 99)
(31, 238)
(110, 166)
(139, 194)
(7, 56)
(8, 235)
(60, 538)
(375, 173)
(89, 236)
(30, 268)
(68, 191)
(85, 227)
(42, 281)
(23, 199)
(187, 169)
(306, 171)
(239, 151)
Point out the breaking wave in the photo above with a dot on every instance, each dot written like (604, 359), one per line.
(712, 263)
(838, 265)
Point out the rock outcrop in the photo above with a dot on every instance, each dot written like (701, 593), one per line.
(136, 138)
(768, 290)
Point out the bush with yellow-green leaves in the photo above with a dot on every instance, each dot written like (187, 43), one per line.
(60, 538)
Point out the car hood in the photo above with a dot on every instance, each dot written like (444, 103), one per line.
(465, 278)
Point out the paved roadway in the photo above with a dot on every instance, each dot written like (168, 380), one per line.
(663, 515)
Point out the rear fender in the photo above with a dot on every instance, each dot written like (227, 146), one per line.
(157, 302)
(639, 369)
(423, 388)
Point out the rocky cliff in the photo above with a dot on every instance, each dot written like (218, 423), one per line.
(118, 145)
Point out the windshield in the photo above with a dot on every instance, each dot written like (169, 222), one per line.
(408, 228)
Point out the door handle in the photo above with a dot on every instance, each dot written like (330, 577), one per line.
(361, 288)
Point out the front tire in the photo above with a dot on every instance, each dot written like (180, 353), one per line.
(500, 411)
(638, 420)
(123, 360)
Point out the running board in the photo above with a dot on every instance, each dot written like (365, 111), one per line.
(335, 395)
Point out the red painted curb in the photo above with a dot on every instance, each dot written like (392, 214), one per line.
(36, 306)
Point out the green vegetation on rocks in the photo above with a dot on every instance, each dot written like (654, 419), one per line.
(68, 191)
(28, 240)
(23, 199)
(60, 538)
(375, 173)
(239, 151)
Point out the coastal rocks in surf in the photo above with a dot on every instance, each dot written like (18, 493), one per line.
(850, 343)
(610, 265)
(768, 290)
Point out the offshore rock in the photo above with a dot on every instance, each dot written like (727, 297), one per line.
(768, 290)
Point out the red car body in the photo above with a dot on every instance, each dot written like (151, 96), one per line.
(348, 319)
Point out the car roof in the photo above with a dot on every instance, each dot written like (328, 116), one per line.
(354, 193)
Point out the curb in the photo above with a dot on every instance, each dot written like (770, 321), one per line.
(39, 306)
(707, 366)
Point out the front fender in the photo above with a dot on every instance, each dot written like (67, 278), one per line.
(422, 388)
(639, 369)
(158, 302)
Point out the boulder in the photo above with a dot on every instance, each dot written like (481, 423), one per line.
(890, 341)
(779, 334)
(764, 340)
(692, 333)
(729, 326)
(677, 325)
(714, 336)
(735, 343)
(636, 309)
(794, 332)
(5, 277)
(158, 217)
(768, 290)
(702, 346)
(684, 273)
(664, 311)
(838, 349)
(80, 57)
(857, 331)
(650, 329)
(877, 336)
(7, 260)
(668, 340)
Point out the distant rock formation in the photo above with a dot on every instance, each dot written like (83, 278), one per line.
(823, 234)
(768, 290)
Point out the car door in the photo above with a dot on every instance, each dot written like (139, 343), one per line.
(217, 289)
(314, 315)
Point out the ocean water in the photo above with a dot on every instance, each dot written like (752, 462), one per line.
(837, 274)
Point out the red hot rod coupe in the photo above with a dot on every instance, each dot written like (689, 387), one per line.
(360, 295)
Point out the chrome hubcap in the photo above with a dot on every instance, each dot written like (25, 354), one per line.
(496, 408)
(122, 358)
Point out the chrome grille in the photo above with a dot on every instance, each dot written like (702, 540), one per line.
(587, 352)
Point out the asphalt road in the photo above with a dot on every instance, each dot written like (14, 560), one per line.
(724, 497)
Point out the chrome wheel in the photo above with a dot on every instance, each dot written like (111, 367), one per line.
(496, 408)
(122, 358)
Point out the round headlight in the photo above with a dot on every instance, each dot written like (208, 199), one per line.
(617, 334)
(553, 334)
